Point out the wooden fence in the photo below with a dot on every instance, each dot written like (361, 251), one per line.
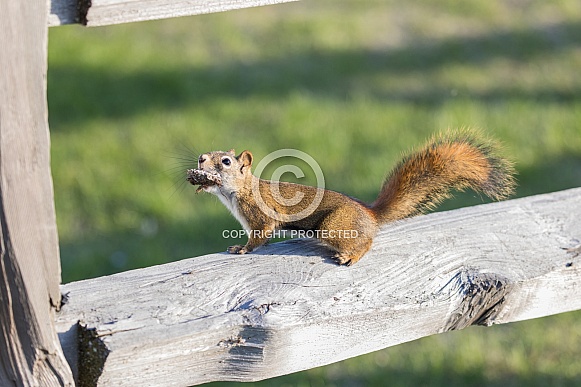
(289, 307)
(286, 308)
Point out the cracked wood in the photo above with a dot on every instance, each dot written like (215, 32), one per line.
(289, 307)
(30, 353)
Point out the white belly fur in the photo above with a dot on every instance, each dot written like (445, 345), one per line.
(232, 205)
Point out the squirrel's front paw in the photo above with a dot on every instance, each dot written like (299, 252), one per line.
(237, 249)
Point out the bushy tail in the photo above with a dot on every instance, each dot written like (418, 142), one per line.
(424, 179)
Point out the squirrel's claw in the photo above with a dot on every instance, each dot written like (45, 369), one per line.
(237, 249)
(346, 260)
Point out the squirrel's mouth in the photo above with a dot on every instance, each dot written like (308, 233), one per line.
(202, 178)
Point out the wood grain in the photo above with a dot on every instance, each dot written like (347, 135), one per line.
(106, 12)
(30, 352)
(289, 307)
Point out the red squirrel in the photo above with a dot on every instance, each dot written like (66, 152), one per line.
(418, 183)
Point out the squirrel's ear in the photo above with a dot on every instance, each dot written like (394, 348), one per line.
(245, 159)
(232, 151)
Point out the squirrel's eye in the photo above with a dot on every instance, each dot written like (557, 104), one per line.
(226, 161)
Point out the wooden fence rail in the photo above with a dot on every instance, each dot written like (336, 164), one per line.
(286, 308)
(289, 307)
(105, 12)
(30, 352)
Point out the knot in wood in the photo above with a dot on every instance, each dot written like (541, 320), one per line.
(475, 298)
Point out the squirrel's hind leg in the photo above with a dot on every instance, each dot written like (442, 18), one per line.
(349, 231)
(354, 253)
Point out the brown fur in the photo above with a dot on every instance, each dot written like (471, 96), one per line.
(425, 178)
(418, 183)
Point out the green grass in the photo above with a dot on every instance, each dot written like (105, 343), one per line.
(354, 84)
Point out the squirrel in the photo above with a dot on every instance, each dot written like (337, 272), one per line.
(418, 183)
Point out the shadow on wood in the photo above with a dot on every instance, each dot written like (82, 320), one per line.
(30, 353)
(289, 308)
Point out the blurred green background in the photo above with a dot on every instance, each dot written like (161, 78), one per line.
(352, 83)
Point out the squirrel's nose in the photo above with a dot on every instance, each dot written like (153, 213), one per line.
(201, 160)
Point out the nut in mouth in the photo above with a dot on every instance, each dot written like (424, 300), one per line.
(202, 178)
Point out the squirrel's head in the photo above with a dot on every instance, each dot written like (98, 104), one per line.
(232, 169)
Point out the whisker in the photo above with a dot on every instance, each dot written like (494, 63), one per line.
(184, 156)
(178, 187)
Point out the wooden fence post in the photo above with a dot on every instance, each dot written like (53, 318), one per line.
(30, 353)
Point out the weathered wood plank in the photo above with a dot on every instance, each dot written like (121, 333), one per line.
(105, 12)
(63, 12)
(288, 307)
(30, 352)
